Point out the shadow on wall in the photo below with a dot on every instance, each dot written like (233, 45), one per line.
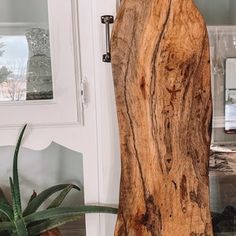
(39, 170)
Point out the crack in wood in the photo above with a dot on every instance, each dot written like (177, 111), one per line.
(168, 158)
(153, 86)
(129, 115)
(183, 194)
(189, 80)
(150, 209)
(149, 218)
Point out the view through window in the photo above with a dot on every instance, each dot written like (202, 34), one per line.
(25, 61)
(13, 60)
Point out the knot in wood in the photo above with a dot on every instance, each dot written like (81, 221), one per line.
(151, 219)
(168, 111)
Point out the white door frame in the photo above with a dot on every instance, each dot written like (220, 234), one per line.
(107, 128)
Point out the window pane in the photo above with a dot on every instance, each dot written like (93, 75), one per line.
(25, 62)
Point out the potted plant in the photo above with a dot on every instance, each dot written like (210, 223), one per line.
(30, 221)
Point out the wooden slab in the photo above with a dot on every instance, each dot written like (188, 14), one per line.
(161, 69)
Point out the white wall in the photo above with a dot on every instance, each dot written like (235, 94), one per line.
(27, 11)
(41, 169)
(218, 12)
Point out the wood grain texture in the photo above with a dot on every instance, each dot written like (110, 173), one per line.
(161, 70)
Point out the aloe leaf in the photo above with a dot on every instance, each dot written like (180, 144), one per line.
(68, 211)
(14, 203)
(38, 200)
(60, 198)
(32, 197)
(7, 211)
(16, 196)
(51, 224)
(3, 200)
(6, 226)
(21, 229)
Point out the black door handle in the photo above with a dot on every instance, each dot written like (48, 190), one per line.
(107, 20)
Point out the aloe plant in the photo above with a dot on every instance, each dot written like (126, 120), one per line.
(30, 221)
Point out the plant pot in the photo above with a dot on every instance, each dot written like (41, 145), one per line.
(53, 232)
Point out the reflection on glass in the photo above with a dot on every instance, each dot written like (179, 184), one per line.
(222, 191)
(230, 95)
(25, 63)
(222, 166)
(39, 75)
(220, 16)
(223, 54)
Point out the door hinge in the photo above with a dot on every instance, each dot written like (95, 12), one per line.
(84, 92)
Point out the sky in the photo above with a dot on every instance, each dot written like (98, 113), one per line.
(15, 54)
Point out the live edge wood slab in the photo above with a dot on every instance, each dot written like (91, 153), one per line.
(161, 69)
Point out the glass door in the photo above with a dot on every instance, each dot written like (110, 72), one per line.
(220, 17)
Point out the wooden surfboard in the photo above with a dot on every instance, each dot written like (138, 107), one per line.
(161, 70)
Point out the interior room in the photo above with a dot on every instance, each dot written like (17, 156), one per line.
(56, 76)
